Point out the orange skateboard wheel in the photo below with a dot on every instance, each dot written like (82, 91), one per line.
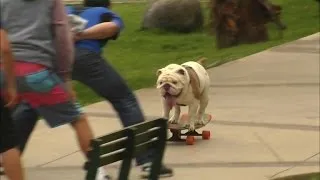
(206, 135)
(190, 140)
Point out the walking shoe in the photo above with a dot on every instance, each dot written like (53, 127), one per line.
(164, 171)
(102, 174)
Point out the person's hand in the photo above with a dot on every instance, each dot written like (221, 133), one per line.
(70, 90)
(77, 36)
(66, 78)
(12, 97)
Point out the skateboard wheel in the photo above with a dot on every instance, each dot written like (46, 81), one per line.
(205, 134)
(190, 140)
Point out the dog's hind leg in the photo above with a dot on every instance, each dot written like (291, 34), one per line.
(204, 100)
(192, 114)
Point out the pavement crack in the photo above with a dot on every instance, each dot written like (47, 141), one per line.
(216, 164)
(59, 158)
(300, 127)
(294, 165)
(262, 85)
(274, 153)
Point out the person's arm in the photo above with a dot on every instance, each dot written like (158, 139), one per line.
(8, 67)
(63, 40)
(103, 30)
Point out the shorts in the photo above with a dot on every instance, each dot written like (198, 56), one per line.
(8, 136)
(46, 93)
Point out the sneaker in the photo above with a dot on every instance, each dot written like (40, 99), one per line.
(102, 174)
(164, 171)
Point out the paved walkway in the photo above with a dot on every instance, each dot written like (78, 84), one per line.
(266, 109)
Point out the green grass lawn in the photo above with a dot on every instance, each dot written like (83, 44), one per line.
(309, 176)
(137, 55)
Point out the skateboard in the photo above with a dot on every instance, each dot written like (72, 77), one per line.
(176, 129)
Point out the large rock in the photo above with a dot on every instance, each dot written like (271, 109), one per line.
(173, 15)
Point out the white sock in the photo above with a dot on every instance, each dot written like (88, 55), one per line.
(101, 174)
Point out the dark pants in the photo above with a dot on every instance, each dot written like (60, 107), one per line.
(92, 70)
(8, 136)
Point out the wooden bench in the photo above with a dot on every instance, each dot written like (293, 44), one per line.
(126, 144)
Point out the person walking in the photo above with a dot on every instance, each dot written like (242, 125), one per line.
(8, 137)
(91, 69)
(43, 52)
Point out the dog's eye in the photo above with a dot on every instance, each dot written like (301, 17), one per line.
(174, 82)
(160, 82)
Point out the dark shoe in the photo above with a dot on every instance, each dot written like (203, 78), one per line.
(164, 171)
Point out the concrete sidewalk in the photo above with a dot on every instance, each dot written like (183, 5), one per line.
(266, 109)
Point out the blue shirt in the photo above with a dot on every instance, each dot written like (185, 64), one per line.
(94, 16)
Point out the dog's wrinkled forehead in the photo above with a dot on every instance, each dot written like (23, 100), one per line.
(172, 69)
(174, 74)
(167, 79)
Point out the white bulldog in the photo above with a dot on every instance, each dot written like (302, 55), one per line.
(184, 85)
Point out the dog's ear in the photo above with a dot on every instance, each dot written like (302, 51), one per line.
(181, 71)
(159, 71)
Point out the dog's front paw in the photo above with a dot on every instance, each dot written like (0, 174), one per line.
(191, 127)
(201, 120)
(173, 120)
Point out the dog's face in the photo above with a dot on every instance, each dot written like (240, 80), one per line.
(171, 82)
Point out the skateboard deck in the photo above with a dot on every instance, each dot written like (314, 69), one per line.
(183, 123)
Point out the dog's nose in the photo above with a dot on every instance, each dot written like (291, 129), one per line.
(166, 87)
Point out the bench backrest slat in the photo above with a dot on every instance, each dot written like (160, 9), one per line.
(113, 136)
(143, 127)
(144, 140)
(126, 144)
(142, 148)
(146, 136)
(114, 157)
(113, 146)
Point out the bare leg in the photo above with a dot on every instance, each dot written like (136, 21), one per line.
(12, 164)
(84, 133)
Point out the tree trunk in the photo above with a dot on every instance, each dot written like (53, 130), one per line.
(242, 21)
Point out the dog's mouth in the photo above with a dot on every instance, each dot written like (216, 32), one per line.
(170, 99)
